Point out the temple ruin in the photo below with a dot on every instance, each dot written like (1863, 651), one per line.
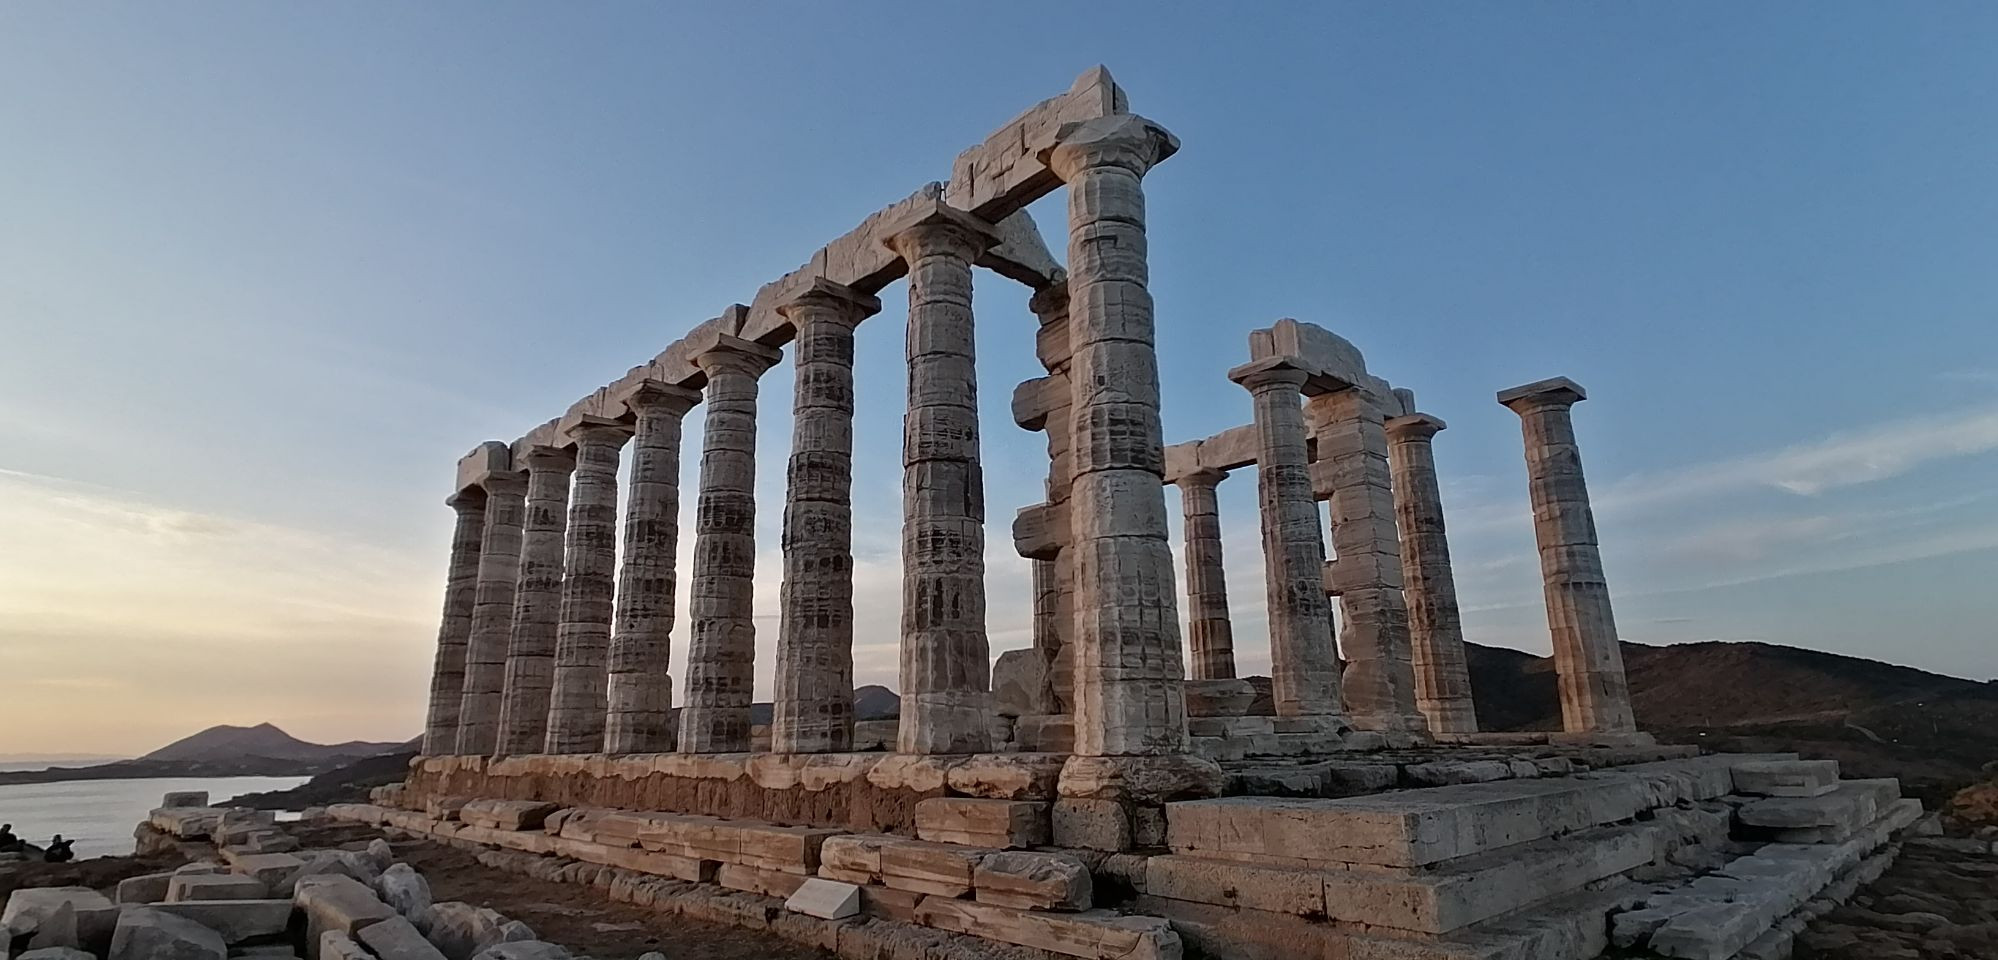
(1105, 792)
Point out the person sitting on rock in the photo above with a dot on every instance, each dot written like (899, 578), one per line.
(58, 851)
(7, 839)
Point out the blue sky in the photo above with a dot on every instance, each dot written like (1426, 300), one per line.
(266, 270)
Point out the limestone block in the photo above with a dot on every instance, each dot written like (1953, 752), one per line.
(461, 930)
(916, 773)
(1853, 803)
(146, 888)
(326, 863)
(1094, 934)
(874, 734)
(1218, 698)
(335, 945)
(185, 798)
(854, 857)
(1141, 779)
(1090, 825)
(793, 850)
(144, 933)
(1402, 828)
(401, 887)
(524, 950)
(1014, 776)
(58, 929)
(1022, 682)
(1032, 881)
(1786, 778)
(507, 814)
(57, 953)
(1231, 727)
(941, 869)
(1050, 733)
(693, 869)
(186, 823)
(215, 887)
(1227, 883)
(768, 883)
(397, 939)
(235, 920)
(825, 899)
(1442, 773)
(1002, 824)
(339, 903)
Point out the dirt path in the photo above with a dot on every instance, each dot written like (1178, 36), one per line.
(583, 919)
(1932, 904)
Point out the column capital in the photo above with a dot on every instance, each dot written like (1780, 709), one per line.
(1270, 373)
(1121, 140)
(467, 501)
(587, 429)
(549, 459)
(933, 227)
(1414, 427)
(736, 355)
(845, 304)
(1552, 392)
(507, 483)
(1201, 477)
(658, 396)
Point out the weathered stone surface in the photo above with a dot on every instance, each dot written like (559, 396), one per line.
(235, 920)
(491, 625)
(1147, 780)
(273, 870)
(579, 701)
(144, 933)
(1786, 778)
(402, 888)
(146, 888)
(215, 887)
(935, 868)
(1219, 697)
(1022, 682)
(1032, 881)
(1435, 625)
(454, 631)
(1095, 934)
(640, 690)
(1228, 883)
(1210, 635)
(339, 903)
(1848, 806)
(334, 945)
(397, 939)
(524, 950)
(507, 814)
(537, 603)
(825, 899)
(1091, 825)
(768, 883)
(57, 953)
(58, 929)
(1001, 824)
(1013, 776)
(185, 798)
(461, 931)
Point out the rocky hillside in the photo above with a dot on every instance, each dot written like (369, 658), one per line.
(263, 740)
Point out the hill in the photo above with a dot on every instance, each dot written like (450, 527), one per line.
(225, 751)
(263, 740)
(870, 702)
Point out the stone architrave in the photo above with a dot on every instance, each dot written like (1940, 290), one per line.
(1379, 677)
(1128, 667)
(721, 652)
(1595, 696)
(447, 674)
(580, 699)
(537, 603)
(1210, 636)
(946, 666)
(812, 711)
(1435, 627)
(492, 614)
(640, 695)
(1304, 663)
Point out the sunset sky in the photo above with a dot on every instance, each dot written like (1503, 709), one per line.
(267, 270)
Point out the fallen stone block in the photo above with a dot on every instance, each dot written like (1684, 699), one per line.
(335, 902)
(185, 798)
(1786, 778)
(146, 888)
(462, 930)
(999, 824)
(825, 899)
(1090, 825)
(1094, 934)
(217, 886)
(523, 950)
(334, 945)
(144, 933)
(402, 888)
(397, 939)
(235, 920)
(1032, 881)
(507, 814)
(270, 869)
(58, 929)
(186, 823)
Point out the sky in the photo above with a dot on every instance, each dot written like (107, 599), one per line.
(267, 270)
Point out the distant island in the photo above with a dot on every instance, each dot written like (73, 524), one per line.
(221, 751)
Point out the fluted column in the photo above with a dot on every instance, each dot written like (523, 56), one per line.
(1304, 664)
(447, 673)
(721, 654)
(641, 690)
(579, 701)
(1435, 628)
(1210, 636)
(946, 669)
(537, 603)
(492, 614)
(812, 711)
(1128, 665)
(1595, 696)
(1379, 677)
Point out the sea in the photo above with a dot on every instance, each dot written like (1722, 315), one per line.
(100, 814)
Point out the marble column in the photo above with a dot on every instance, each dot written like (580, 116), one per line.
(1595, 697)
(447, 674)
(1379, 677)
(640, 716)
(1210, 637)
(580, 699)
(946, 668)
(812, 711)
(492, 614)
(1435, 628)
(537, 603)
(721, 653)
(1128, 665)
(1304, 664)
(1054, 577)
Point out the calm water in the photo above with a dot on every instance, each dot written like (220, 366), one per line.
(100, 814)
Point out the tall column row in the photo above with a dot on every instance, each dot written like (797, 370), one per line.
(537, 603)
(1435, 627)
(1210, 637)
(640, 691)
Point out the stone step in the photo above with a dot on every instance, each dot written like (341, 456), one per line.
(1826, 818)
(1407, 828)
(1786, 778)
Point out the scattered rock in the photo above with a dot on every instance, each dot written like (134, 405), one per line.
(147, 934)
(404, 889)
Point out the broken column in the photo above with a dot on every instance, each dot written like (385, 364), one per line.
(640, 692)
(1352, 472)
(721, 652)
(1210, 636)
(1595, 697)
(492, 614)
(582, 642)
(537, 603)
(1435, 628)
(1054, 574)
(1128, 667)
(812, 711)
(946, 679)
(1304, 664)
(447, 673)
